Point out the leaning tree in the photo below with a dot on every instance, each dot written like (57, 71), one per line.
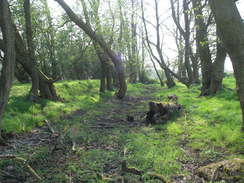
(116, 58)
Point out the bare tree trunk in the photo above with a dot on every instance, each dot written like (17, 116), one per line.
(155, 68)
(41, 84)
(9, 58)
(103, 57)
(109, 77)
(46, 85)
(203, 47)
(231, 31)
(160, 59)
(187, 41)
(31, 50)
(195, 67)
(21, 74)
(186, 35)
(134, 49)
(218, 69)
(116, 58)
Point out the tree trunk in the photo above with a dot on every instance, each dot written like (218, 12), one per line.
(116, 58)
(185, 33)
(46, 87)
(20, 74)
(31, 50)
(203, 47)
(7, 74)
(195, 67)
(103, 57)
(231, 31)
(156, 70)
(218, 69)
(109, 77)
(187, 41)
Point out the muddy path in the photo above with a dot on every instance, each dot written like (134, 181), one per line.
(96, 130)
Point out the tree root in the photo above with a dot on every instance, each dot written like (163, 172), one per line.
(25, 162)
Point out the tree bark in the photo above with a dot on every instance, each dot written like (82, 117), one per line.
(46, 86)
(31, 50)
(187, 41)
(9, 58)
(21, 74)
(203, 47)
(218, 69)
(105, 80)
(116, 58)
(231, 31)
(41, 84)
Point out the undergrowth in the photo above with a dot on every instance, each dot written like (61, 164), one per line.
(210, 125)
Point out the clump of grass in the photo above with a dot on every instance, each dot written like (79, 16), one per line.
(154, 151)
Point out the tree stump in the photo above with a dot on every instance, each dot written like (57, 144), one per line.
(159, 113)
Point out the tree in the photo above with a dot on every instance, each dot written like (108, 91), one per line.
(7, 74)
(116, 58)
(106, 76)
(160, 59)
(212, 72)
(186, 33)
(30, 48)
(231, 31)
(217, 74)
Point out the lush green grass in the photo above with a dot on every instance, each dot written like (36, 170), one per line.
(211, 122)
(210, 125)
(22, 115)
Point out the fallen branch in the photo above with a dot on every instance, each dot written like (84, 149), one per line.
(24, 161)
(136, 171)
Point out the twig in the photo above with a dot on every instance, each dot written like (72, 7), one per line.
(32, 171)
(50, 127)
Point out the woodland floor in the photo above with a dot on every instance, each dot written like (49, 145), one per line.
(104, 138)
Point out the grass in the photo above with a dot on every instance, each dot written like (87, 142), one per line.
(22, 115)
(210, 125)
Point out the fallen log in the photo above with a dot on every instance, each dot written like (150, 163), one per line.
(159, 113)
